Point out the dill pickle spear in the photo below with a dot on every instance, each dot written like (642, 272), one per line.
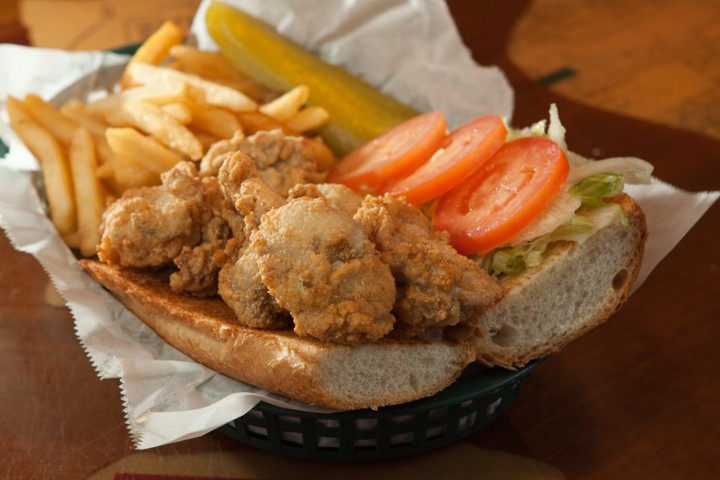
(358, 111)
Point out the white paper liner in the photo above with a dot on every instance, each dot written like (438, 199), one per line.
(167, 396)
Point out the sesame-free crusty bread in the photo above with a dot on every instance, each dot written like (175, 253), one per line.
(577, 287)
(330, 375)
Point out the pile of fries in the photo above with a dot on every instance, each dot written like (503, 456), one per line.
(172, 103)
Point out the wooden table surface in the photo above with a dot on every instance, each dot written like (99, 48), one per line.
(638, 397)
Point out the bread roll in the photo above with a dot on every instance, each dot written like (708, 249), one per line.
(330, 375)
(575, 288)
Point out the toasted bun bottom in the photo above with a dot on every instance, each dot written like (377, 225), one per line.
(577, 287)
(330, 375)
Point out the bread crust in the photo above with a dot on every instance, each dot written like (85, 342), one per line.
(576, 288)
(330, 375)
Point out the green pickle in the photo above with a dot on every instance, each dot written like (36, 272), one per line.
(358, 111)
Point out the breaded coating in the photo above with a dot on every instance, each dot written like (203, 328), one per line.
(218, 152)
(241, 287)
(437, 287)
(239, 282)
(283, 161)
(149, 226)
(340, 196)
(198, 269)
(187, 220)
(320, 266)
(250, 195)
(285, 251)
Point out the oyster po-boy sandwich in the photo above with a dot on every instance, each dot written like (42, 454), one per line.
(354, 297)
(233, 232)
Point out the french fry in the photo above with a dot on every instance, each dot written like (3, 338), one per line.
(159, 93)
(253, 122)
(49, 117)
(100, 108)
(155, 48)
(131, 144)
(215, 121)
(307, 119)
(152, 120)
(54, 165)
(126, 170)
(102, 150)
(76, 111)
(89, 196)
(71, 239)
(286, 105)
(156, 94)
(203, 91)
(212, 63)
(128, 174)
(206, 139)
(179, 111)
(215, 67)
(105, 171)
(52, 297)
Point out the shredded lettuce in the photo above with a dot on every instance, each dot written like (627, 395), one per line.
(515, 259)
(561, 208)
(594, 189)
(593, 214)
(634, 170)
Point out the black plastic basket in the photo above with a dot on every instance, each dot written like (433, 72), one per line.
(464, 407)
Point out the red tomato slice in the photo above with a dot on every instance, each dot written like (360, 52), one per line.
(462, 152)
(391, 155)
(503, 195)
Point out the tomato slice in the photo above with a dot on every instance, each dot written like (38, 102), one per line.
(462, 152)
(391, 155)
(503, 195)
